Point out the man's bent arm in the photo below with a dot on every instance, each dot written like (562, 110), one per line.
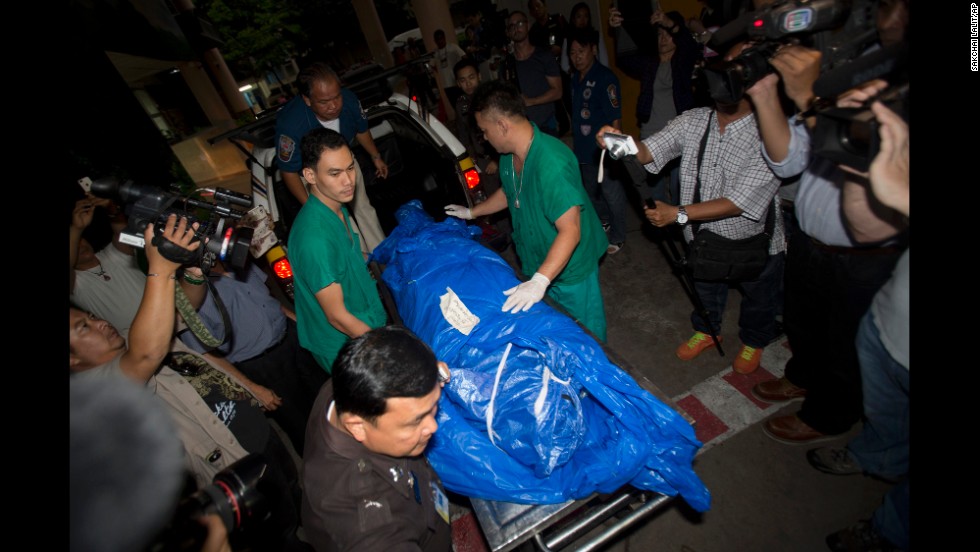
(153, 326)
(569, 227)
(553, 93)
(331, 299)
(494, 204)
(295, 185)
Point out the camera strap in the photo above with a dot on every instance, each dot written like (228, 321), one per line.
(695, 226)
(196, 325)
(697, 177)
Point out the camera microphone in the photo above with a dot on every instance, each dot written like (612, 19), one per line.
(726, 37)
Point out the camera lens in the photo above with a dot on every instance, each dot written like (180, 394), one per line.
(617, 150)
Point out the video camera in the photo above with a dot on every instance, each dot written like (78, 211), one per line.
(840, 29)
(149, 204)
(849, 136)
(234, 495)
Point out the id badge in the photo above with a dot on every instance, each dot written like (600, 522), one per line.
(440, 501)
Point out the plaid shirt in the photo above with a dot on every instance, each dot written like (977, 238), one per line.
(733, 168)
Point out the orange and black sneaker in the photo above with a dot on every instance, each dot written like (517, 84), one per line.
(694, 346)
(747, 360)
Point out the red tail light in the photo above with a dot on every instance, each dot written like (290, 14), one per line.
(282, 269)
(472, 178)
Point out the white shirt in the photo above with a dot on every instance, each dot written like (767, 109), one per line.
(117, 298)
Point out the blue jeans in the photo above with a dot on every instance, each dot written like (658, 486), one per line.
(882, 447)
(608, 198)
(891, 519)
(757, 313)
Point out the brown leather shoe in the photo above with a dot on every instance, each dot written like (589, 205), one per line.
(778, 390)
(793, 431)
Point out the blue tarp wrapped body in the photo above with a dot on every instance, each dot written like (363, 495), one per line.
(535, 412)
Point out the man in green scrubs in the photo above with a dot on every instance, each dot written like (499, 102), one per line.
(558, 236)
(336, 298)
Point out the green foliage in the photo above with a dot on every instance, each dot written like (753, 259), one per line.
(259, 35)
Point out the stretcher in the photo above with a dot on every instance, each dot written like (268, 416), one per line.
(584, 524)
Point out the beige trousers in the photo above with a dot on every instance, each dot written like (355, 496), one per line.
(366, 219)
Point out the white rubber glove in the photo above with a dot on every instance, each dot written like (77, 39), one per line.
(459, 211)
(524, 296)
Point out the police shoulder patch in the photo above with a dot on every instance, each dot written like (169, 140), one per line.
(286, 148)
(613, 97)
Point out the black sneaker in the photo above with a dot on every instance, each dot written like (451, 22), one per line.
(860, 537)
(834, 460)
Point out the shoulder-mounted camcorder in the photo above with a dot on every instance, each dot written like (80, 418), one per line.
(840, 29)
(215, 212)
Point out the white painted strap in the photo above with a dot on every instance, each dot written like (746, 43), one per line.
(493, 394)
(602, 157)
(545, 379)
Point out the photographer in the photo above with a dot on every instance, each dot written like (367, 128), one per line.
(139, 464)
(109, 282)
(834, 267)
(720, 156)
(263, 345)
(881, 449)
(218, 420)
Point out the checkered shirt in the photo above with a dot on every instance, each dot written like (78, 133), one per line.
(733, 168)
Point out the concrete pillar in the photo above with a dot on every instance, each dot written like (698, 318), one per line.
(196, 77)
(432, 15)
(374, 34)
(229, 86)
(219, 70)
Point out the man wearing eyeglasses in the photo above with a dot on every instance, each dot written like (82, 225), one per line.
(536, 74)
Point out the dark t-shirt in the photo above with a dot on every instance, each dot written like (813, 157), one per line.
(531, 73)
(231, 403)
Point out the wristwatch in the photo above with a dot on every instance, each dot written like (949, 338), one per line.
(681, 216)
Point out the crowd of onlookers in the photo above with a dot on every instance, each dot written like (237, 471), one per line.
(535, 100)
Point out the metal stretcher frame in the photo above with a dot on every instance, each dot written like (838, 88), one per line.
(553, 527)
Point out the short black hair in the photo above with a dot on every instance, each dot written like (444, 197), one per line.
(580, 6)
(383, 363)
(498, 95)
(438, 33)
(316, 141)
(318, 71)
(465, 62)
(585, 36)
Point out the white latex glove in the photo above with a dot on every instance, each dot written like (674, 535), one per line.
(525, 295)
(459, 211)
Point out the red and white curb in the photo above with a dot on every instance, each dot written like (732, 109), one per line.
(723, 404)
